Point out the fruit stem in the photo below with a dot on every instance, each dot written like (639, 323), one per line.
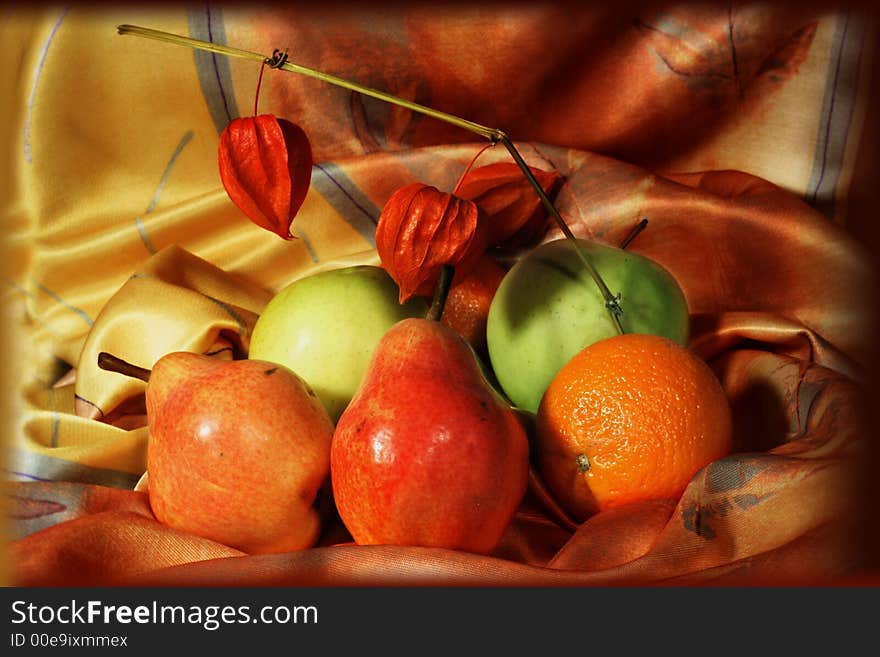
(198, 44)
(639, 227)
(583, 463)
(257, 92)
(612, 303)
(470, 166)
(112, 363)
(275, 61)
(435, 312)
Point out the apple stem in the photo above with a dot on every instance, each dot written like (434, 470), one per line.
(639, 227)
(441, 292)
(113, 363)
(612, 302)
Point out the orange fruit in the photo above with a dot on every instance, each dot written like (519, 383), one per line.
(467, 306)
(629, 418)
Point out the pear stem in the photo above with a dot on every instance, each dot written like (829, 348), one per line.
(113, 363)
(612, 303)
(441, 292)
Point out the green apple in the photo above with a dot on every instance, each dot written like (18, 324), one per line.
(325, 327)
(548, 308)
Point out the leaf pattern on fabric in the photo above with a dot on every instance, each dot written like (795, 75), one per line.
(381, 126)
(722, 51)
(28, 508)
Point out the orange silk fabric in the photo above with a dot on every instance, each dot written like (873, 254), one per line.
(723, 126)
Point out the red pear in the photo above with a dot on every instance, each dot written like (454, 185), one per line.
(427, 453)
(238, 451)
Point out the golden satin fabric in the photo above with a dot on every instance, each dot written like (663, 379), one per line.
(735, 131)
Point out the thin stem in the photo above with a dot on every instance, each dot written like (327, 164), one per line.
(441, 292)
(113, 363)
(275, 61)
(257, 92)
(159, 35)
(470, 166)
(612, 303)
(638, 228)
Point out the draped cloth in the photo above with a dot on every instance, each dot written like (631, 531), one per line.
(737, 131)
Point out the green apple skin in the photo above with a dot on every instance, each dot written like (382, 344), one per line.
(325, 327)
(548, 308)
